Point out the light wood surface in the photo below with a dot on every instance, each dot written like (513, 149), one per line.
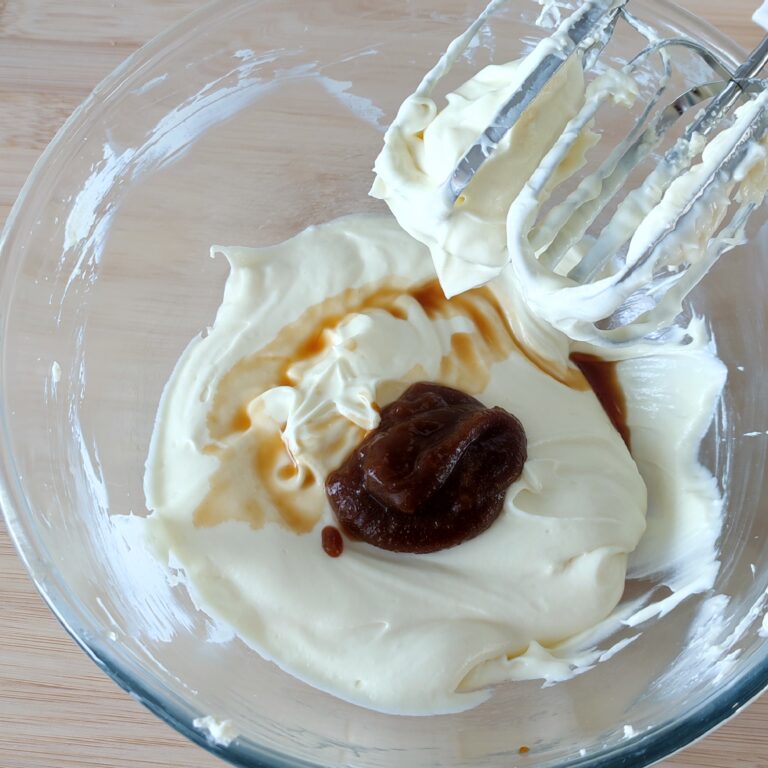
(56, 708)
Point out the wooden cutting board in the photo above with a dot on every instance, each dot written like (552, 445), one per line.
(56, 708)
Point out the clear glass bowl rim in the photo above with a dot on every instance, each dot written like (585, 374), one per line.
(661, 742)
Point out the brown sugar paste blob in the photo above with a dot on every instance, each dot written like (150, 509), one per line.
(433, 474)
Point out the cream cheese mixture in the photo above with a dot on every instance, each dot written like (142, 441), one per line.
(317, 334)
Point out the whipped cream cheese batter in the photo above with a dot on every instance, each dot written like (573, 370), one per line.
(316, 335)
(313, 337)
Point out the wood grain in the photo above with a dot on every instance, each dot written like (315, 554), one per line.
(56, 708)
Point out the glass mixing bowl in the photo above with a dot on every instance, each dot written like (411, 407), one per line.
(244, 124)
